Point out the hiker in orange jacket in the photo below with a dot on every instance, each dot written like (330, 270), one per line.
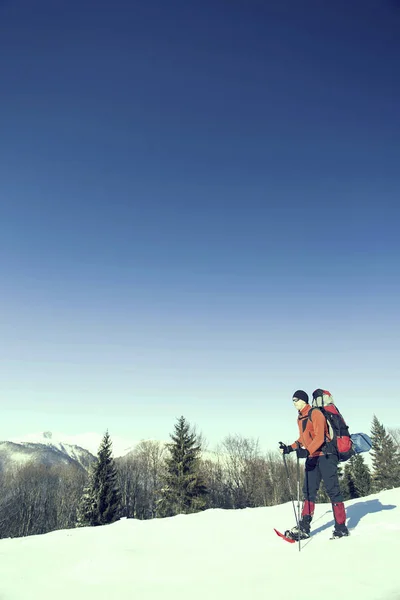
(321, 464)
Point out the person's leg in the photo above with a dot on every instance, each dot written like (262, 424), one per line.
(312, 480)
(329, 466)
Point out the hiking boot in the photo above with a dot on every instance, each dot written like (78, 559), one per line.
(297, 534)
(340, 532)
(302, 532)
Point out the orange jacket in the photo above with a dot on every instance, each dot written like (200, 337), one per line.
(313, 431)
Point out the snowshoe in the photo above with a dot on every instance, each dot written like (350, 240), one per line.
(297, 534)
(339, 533)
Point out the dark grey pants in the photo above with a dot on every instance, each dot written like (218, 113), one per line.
(322, 468)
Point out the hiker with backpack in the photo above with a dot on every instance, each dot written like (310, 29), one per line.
(318, 444)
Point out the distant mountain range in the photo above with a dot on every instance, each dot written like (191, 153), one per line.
(45, 451)
(89, 440)
(51, 449)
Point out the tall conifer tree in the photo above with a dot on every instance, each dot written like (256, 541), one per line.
(385, 458)
(357, 478)
(184, 490)
(101, 501)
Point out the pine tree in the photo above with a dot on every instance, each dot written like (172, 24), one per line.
(361, 476)
(357, 478)
(100, 503)
(184, 490)
(385, 458)
(87, 506)
(348, 486)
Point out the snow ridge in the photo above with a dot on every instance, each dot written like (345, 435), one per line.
(216, 554)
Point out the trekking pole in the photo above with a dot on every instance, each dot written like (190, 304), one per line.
(290, 492)
(298, 496)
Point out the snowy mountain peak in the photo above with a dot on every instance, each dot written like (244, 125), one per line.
(89, 441)
(44, 448)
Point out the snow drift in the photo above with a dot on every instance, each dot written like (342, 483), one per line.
(214, 555)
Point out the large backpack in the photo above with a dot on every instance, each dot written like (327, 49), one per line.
(340, 442)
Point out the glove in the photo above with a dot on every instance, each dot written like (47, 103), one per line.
(302, 453)
(285, 449)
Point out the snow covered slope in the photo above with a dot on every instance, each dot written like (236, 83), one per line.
(214, 555)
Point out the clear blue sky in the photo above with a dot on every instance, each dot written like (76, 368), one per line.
(199, 214)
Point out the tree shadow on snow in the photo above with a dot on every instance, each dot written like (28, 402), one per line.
(356, 512)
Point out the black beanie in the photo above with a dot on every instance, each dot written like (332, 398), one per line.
(301, 395)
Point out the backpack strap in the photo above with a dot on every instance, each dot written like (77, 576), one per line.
(310, 417)
(305, 419)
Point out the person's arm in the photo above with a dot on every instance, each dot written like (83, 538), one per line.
(318, 420)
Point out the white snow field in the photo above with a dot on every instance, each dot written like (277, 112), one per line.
(216, 554)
